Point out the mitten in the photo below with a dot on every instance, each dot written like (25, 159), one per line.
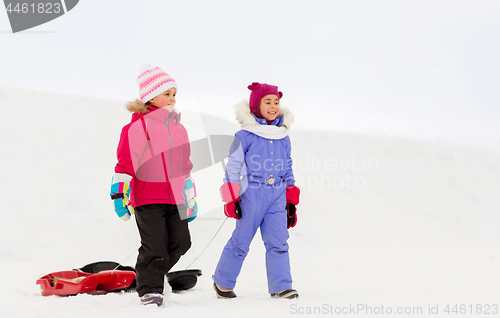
(120, 194)
(292, 195)
(291, 219)
(189, 193)
(193, 212)
(292, 199)
(233, 209)
(230, 192)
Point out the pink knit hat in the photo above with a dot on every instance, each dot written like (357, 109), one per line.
(258, 91)
(153, 81)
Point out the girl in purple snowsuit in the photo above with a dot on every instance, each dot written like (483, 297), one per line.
(259, 191)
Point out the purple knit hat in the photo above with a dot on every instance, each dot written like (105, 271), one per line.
(258, 91)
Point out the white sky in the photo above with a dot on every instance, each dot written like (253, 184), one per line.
(423, 69)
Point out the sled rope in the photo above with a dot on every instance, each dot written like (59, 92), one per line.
(124, 260)
(220, 227)
(218, 230)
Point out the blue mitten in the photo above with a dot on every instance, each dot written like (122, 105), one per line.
(193, 212)
(120, 193)
(189, 196)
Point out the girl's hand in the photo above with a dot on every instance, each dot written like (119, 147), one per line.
(189, 193)
(192, 211)
(233, 210)
(120, 194)
(230, 192)
(291, 219)
(292, 195)
(292, 199)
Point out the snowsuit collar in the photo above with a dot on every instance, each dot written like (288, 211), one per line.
(246, 118)
(249, 122)
(140, 109)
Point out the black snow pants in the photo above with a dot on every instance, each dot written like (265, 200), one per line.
(164, 239)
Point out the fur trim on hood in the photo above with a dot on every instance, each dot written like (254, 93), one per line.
(245, 117)
(138, 107)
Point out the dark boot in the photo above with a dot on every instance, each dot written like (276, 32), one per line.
(286, 294)
(224, 294)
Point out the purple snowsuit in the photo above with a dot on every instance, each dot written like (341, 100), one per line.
(263, 168)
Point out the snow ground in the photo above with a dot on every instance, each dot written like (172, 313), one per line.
(387, 222)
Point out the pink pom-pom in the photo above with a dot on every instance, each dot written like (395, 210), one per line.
(253, 85)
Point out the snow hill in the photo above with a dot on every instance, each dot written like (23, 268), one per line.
(384, 223)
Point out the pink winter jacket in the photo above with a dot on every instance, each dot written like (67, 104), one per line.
(154, 149)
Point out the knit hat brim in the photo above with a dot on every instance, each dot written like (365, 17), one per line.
(153, 81)
(157, 91)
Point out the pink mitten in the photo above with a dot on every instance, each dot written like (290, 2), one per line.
(230, 192)
(233, 210)
(292, 195)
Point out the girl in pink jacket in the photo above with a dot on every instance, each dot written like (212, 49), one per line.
(152, 180)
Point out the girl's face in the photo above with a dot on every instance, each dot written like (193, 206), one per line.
(165, 99)
(269, 107)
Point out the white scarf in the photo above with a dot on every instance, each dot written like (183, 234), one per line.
(267, 131)
(249, 123)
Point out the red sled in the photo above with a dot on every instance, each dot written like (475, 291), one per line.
(66, 283)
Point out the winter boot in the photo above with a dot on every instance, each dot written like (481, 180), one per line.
(224, 294)
(286, 294)
(152, 298)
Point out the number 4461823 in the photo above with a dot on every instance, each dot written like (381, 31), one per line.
(32, 8)
(478, 309)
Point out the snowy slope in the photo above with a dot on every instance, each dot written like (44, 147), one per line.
(382, 222)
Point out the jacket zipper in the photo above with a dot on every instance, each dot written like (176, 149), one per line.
(163, 158)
